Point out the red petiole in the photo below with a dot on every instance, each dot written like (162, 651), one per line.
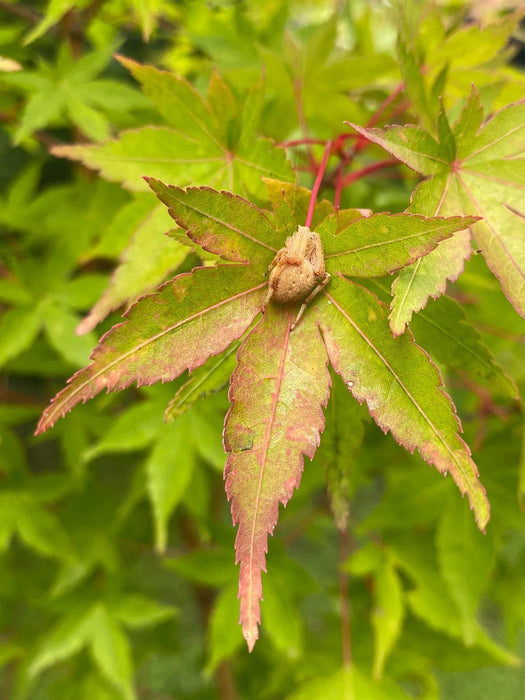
(317, 183)
(336, 147)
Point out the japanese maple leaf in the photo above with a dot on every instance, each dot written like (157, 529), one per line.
(475, 168)
(213, 140)
(281, 382)
(72, 91)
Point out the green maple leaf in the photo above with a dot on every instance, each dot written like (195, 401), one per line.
(55, 10)
(99, 629)
(213, 141)
(439, 60)
(71, 90)
(475, 168)
(281, 382)
(342, 439)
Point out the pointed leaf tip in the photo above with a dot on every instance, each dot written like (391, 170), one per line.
(188, 320)
(222, 223)
(277, 391)
(251, 635)
(411, 405)
(480, 165)
(382, 243)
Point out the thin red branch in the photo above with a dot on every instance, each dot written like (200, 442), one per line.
(317, 183)
(358, 174)
(300, 142)
(336, 147)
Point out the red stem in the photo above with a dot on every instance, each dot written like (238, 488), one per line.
(305, 141)
(317, 183)
(358, 174)
(337, 147)
(300, 142)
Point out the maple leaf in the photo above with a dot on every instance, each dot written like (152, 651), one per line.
(475, 168)
(281, 382)
(72, 89)
(214, 141)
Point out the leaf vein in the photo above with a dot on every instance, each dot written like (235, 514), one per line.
(493, 143)
(407, 392)
(495, 233)
(190, 114)
(264, 454)
(492, 178)
(385, 243)
(148, 341)
(227, 225)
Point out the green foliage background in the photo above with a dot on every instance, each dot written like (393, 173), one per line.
(117, 577)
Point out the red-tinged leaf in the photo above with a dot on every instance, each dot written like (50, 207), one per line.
(383, 243)
(192, 317)
(428, 276)
(477, 169)
(277, 391)
(222, 223)
(401, 386)
(207, 379)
